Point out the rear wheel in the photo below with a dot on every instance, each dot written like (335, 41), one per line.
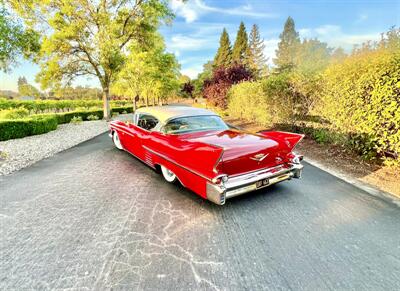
(168, 175)
(116, 141)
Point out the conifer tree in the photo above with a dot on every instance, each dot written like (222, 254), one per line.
(256, 59)
(240, 48)
(224, 53)
(287, 47)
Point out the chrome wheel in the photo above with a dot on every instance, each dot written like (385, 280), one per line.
(168, 175)
(116, 141)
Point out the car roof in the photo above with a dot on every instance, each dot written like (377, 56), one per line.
(164, 113)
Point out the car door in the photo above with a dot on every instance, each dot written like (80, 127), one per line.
(139, 131)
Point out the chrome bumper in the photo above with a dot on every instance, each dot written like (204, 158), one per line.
(240, 184)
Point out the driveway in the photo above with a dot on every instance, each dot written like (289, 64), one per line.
(95, 218)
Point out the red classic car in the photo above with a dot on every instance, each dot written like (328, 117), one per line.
(196, 147)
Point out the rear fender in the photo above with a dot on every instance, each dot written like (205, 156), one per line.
(288, 138)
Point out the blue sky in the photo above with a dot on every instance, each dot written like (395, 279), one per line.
(194, 34)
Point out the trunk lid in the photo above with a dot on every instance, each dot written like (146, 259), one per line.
(245, 152)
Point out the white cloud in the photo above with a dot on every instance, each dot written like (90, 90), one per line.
(201, 36)
(245, 10)
(192, 72)
(335, 36)
(193, 9)
(185, 10)
(269, 52)
(181, 42)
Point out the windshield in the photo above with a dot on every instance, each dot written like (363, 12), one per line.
(194, 123)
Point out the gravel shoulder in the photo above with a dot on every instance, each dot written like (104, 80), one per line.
(19, 153)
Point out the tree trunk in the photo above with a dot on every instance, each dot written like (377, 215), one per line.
(147, 101)
(106, 104)
(134, 104)
(154, 101)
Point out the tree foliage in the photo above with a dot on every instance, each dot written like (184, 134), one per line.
(25, 89)
(352, 100)
(150, 72)
(198, 83)
(240, 47)
(256, 59)
(187, 89)
(224, 53)
(216, 88)
(287, 46)
(89, 37)
(15, 40)
(361, 98)
(312, 56)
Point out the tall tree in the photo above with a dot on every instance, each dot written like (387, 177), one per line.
(312, 56)
(149, 72)
(287, 47)
(25, 89)
(22, 81)
(15, 40)
(224, 53)
(240, 48)
(338, 55)
(89, 37)
(256, 59)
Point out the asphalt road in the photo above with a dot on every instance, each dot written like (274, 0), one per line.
(95, 218)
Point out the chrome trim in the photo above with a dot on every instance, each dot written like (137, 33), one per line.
(259, 157)
(216, 193)
(177, 164)
(237, 181)
(256, 171)
(240, 184)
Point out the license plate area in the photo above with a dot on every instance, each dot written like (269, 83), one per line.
(262, 183)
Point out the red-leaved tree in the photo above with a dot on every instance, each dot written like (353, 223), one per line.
(187, 89)
(216, 89)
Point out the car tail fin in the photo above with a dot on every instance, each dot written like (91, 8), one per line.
(288, 138)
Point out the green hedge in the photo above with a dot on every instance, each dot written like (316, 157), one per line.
(66, 117)
(361, 98)
(122, 109)
(357, 100)
(38, 124)
(38, 106)
(10, 129)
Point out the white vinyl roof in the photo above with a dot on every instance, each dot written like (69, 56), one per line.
(164, 113)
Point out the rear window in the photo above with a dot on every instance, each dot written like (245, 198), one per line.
(194, 123)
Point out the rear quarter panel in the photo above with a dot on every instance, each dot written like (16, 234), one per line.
(192, 162)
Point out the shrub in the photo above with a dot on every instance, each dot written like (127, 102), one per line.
(10, 129)
(76, 119)
(122, 109)
(14, 113)
(361, 98)
(248, 100)
(92, 117)
(40, 106)
(66, 117)
(216, 89)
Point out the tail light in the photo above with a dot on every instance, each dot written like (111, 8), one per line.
(295, 159)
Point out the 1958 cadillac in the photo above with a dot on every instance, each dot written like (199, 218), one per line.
(196, 147)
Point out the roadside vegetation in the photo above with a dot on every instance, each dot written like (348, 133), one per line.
(24, 118)
(116, 43)
(352, 100)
